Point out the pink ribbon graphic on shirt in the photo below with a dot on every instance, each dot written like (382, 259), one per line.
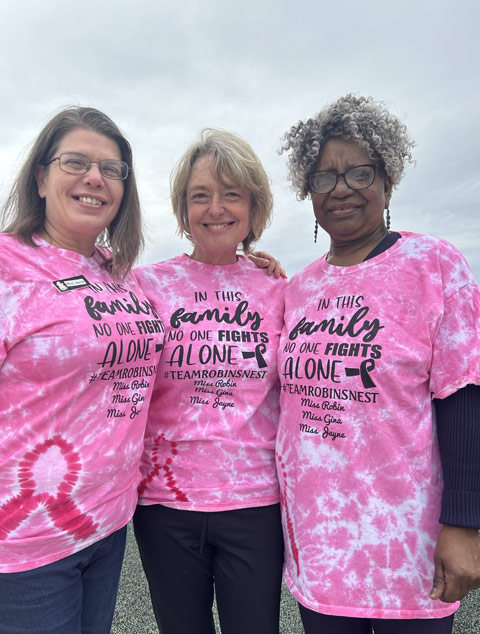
(61, 509)
(288, 518)
(165, 467)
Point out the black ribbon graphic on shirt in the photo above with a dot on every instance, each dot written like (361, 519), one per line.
(364, 371)
(260, 350)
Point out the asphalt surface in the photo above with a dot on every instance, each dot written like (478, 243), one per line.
(134, 611)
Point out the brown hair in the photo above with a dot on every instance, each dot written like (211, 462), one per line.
(24, 210)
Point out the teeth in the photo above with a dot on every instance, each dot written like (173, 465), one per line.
(90, 201)
(218, 226)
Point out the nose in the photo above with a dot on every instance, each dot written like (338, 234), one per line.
(216, 206)
(341, 190)
(94, 176)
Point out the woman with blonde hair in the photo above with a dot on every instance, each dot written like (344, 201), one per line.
(208, 518)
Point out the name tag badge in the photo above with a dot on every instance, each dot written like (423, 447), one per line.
(71, 283)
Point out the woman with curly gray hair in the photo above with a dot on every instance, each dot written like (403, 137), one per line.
(380, 366)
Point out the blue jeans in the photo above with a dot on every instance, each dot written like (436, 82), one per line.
(75, 595)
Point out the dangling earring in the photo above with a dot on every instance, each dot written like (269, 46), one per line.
(387, 219)
(315, 233)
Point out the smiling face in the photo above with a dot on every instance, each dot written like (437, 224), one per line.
(79, 207)
(218, 214)
(347, 215)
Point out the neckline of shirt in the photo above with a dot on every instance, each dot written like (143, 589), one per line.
(241, 259)
(98, 257)
(332, 269)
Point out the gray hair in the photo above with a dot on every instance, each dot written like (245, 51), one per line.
(234, 158)
(350, 118)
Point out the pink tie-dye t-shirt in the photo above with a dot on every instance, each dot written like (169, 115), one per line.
(78, 358)
(364, 350)
(213, 419)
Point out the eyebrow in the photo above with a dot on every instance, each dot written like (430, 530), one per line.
(205, 188)
(350, 166)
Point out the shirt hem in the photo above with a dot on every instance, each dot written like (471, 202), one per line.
(374, 613)
(458, 385)
(62, 555)
(211, 508)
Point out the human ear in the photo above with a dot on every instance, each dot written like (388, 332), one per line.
(387, 184)
(41, 177)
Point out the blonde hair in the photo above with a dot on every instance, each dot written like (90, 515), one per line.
(234, 159)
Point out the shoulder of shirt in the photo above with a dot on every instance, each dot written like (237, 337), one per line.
(427, 242)
(259, 273)
(160, 267)
(16, 244)
(424, 238)
(180, 262)
(10, 240)
(306, 270)
(11, 247)
(439, 247)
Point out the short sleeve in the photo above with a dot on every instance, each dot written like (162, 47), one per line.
(7, 317)
(456, 347)
(3, 337)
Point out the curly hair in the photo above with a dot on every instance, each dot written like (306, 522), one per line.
(352, 118)
(233, 158)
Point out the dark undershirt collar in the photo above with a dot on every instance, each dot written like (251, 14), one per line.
(387, 242)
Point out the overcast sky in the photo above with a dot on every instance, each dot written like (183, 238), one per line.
(164, 70)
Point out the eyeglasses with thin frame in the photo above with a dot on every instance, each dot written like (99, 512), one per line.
(76, 163)
(358, 177)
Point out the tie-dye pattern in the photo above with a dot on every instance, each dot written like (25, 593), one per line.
(363, 351)
(210, 437)
(76, 373)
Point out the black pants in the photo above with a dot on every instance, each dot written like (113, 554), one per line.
(316, 623)
(186, 553)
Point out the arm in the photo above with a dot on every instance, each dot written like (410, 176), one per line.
(457, 553)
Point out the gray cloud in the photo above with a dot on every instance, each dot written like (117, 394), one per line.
(165, 70)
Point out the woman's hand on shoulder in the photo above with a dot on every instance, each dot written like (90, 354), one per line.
(457, 563)
(264, 260)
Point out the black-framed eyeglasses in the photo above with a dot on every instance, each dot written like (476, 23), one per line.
(76, 163)
(359, 177)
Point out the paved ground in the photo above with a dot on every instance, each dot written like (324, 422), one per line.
(134, 613)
